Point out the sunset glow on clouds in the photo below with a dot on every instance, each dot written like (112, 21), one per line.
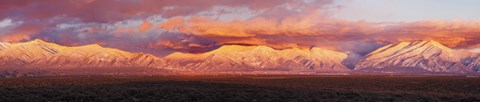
(161, 27)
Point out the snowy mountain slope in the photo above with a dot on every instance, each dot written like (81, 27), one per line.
(258, 58)
(38, 56)
(41, 54)
(472, 62)
(427, 55)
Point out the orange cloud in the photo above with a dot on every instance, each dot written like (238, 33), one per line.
(20, 33)
(172, 23)
(120, 30)
(262, 31)
(455, 33)
(181, 46)
(165, 44)
(15, 37)
(145, 26)
(273, 26)
(312, 24)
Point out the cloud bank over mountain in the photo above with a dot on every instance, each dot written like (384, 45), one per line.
(161, 27)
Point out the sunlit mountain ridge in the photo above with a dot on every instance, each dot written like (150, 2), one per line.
(427, 55)
(41, 54)
(253, 58)
(423, 56)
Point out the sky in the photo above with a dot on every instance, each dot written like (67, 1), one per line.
(408, 10)
(161, 27)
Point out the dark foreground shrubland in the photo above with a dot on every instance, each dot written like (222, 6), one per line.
(241, 88)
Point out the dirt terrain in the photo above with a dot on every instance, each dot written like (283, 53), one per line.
(241, 88)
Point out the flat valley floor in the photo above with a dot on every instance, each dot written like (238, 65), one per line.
(251, 88)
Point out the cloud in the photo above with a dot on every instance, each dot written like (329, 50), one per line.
(291, 26)
(183, 43)
(164, 26)
(6, 23)
(145, 26)
(14, 31)
(452, 33)
(115, 10)
(313, 30)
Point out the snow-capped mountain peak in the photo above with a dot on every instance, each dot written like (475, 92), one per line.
(40, 54)
(427, 55)
(237, 57)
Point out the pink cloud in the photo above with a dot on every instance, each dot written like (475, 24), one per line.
(278, 24)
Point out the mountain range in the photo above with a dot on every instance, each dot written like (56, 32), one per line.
(259, 58)
(38, 57)
(428, 56)
(41, 54)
